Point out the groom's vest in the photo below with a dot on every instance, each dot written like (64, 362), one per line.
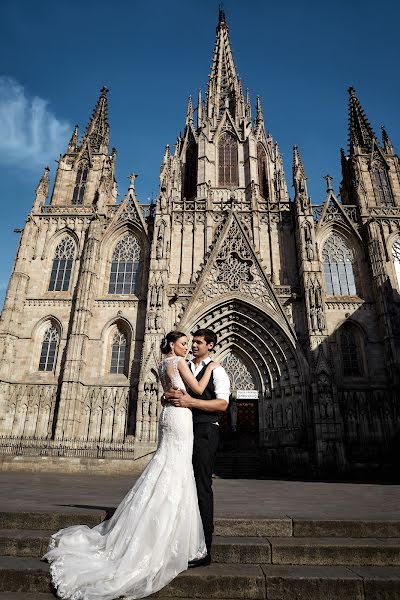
(202, 416)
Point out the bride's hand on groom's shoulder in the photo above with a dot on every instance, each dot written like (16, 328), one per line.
(214, 365)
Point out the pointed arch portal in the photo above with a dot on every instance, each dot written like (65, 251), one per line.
(270, 369)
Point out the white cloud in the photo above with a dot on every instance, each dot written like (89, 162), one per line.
(30, 134)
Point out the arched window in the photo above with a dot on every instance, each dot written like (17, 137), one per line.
(80, 183)
(125, 266)
(396, 259)
(118, 353)
(262, 171)
(239, 375)
(62, 266)
(48, 354)
(338, 267)
(383, 190)
(228, 161)
(190, 179)
(350, 352)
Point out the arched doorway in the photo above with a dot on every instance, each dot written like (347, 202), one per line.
(268, 357)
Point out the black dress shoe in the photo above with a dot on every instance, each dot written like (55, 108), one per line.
(200, 562)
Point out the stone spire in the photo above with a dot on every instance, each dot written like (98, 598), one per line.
(199, 110)
(280, 179)
(248, 104)
(361, 134)
(343, 158)
(224, 90)
(42, 190)
(387, 143)
(167, 155)
(259, 115)
(299, 176)
(97, 133)
(189, 112)
(73, 142)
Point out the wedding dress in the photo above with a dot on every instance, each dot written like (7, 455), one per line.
(153, 533)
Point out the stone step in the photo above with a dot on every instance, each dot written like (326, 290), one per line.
(24, 542)
(250, 550)
(237, 466)
(26, 596)
(253, 527)
(216, 581)
(53, 521)
(335, 551)
(346, 528)
(331, 583)
(25, 575)
(28, 579)
(230, 526)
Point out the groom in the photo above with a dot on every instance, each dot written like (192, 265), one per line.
(205, 409)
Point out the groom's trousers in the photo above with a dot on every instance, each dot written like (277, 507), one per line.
(205, 446)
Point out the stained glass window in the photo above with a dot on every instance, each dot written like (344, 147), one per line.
(118, 353)
(350, 352)
(80, 184)
(338, 267)
(228, 161)
(62, 266)
(238, 372)
(262, 171)
(49, 350)
(396, 259)
(125, 266)
(382, 187)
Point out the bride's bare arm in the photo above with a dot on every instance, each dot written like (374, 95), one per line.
(190, 380)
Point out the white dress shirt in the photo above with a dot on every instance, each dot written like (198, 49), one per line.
(222, 384)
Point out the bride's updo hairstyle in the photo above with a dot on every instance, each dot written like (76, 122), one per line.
(172, 336)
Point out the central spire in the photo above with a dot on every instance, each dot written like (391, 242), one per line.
(361, 133)
(224, 90)
(97, 132)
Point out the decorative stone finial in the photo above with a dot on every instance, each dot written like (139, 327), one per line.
(132, 178)
(328, 180)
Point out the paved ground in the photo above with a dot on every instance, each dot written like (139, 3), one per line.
(233, 498)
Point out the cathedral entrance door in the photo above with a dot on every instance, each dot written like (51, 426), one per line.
(244, 419)
(239, 425)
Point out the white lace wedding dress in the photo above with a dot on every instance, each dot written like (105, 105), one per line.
(153, 533)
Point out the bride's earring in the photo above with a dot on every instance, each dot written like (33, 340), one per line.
(172, 350)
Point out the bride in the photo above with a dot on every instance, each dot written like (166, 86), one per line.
(157, 529)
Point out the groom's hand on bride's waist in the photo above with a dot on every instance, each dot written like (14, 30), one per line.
(178, 397)
(183, 400)
(173, 394)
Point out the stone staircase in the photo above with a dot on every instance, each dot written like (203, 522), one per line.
(273, 559)
(238, 465)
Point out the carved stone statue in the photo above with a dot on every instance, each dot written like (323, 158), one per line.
(153, 297)
(160, 241)
(159, 296)
(150, 322)
(158, 322)
(309, 243)
(159, 247)
(320, 318)
(313, 318)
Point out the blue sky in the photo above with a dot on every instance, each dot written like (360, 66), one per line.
(299, 57)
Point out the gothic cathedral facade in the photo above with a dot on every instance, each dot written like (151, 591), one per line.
(305, 299)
